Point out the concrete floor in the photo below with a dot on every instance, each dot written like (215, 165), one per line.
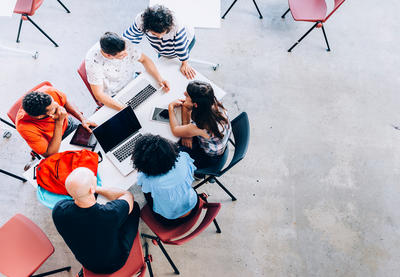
(318, 192)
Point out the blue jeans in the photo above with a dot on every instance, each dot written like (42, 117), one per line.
(73, 123)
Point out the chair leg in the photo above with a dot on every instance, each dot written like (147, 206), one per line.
(217, 226)
(19, 28)
(43, 32)
(224, 188)
(68, 268)
(283, 15)
(62, 4)
(203, 182)
(147, 259)
(13, 175)
(234, 2)
(167, 256)
(8, 123)
(294, 45)
(326, 39)
(258, 10)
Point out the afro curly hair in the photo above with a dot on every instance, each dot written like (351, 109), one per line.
(35, 103)
(158, 19)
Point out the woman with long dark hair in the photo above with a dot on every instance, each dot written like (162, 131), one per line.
(205, 128)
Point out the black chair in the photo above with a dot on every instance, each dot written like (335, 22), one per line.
(234, 2)
(241, 134)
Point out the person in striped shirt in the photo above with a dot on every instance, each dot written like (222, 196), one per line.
(165, 34)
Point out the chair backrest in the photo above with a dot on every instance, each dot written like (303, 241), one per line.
(82, 73)
(338, 3)
(134, 264)
(28, 7)
(13, 111)
(167, 234)
(24, 247)
(241, 133)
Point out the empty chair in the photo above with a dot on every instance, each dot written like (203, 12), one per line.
(24, 248)
(173, 234)
(136, 263)
(27, 8)
(311, 11)
(241, 134)
(82, 73)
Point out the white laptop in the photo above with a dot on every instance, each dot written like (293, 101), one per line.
(140, 92)
(117, 136)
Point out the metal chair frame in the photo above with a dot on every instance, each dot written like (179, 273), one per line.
(234, 2)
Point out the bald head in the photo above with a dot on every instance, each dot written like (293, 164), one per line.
(80, 182)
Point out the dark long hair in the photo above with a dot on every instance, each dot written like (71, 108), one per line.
(207, 114)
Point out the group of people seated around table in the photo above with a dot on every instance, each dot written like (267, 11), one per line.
(101, 236)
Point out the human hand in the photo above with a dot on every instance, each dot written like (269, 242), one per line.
(176, 103)
(187, 70)
(165, 85)
(60, 115)
(87, 124)
(187, 142)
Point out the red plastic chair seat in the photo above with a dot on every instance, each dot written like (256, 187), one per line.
(23, 247)
(82, 73)
(168, 233)
(134, 264)
(308, 10)
(28, 7)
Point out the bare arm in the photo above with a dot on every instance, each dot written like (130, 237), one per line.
(54, 144)
(73, 110)
(184, 131)
(104, 98)
(116, 193)
(152, 70)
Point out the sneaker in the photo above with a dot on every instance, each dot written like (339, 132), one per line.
(198, 176)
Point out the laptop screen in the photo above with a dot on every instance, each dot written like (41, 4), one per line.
(116, 129)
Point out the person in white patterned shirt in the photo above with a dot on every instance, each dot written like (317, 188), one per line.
(110, 66)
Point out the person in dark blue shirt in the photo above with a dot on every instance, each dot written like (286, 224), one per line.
(100, 236)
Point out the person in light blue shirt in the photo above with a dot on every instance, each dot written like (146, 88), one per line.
(166, 177)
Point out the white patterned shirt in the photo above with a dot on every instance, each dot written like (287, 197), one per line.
(113, 74)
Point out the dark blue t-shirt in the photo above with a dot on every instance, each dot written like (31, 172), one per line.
(96, 235)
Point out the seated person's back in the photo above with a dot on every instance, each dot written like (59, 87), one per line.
(100, 236)
(166, 176)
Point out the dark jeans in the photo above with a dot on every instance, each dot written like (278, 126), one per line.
(170, 222)
(73, 123)
(201, 159)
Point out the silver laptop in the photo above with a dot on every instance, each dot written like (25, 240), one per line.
(117, 136)
(139, 93)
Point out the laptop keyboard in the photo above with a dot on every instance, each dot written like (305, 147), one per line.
(141, 96)
(125, 151)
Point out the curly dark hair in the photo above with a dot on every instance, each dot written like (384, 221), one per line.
(111, 43)
(35, 103)
(158, 19)
(154, 155)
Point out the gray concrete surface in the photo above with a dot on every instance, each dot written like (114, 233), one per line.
(318, 192)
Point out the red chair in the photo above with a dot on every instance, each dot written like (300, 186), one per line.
(27, 8)
(82, 73)
(311, 11)
(135, 264)
(24, 248)
(168, 235)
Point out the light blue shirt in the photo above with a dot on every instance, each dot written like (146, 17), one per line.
(173, 195)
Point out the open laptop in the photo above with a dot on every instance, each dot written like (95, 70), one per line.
(140, 92)
(117, 136)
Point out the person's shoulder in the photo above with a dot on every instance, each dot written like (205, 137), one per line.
(115, 206)
(62, 207)
(93, 53)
